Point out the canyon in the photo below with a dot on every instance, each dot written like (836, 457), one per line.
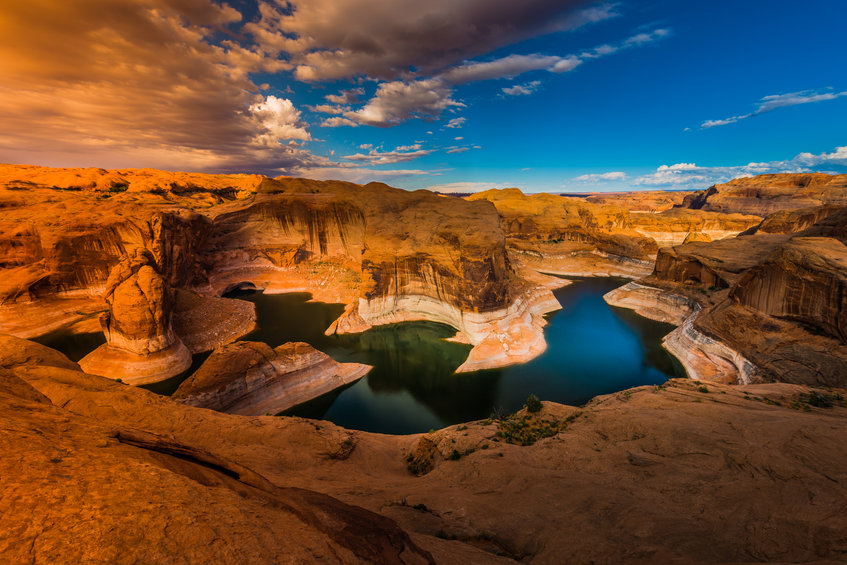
(752, 273)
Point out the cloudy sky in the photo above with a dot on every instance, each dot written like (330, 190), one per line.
(457, 95)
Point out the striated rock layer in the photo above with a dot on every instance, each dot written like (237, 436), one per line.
(141, 346)
(578, 237)
(389, 254)
(766, 194)
(251, 378)
(768, 307)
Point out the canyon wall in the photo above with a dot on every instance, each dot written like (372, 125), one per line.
(770, 306)
(763, 195)
(391, 255)
(600, 236)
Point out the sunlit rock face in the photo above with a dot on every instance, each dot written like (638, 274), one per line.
(141, 345)
(770, 306)
(766, 194)
(391, 255)
(251, 378)
(804, 280)
(599, 235)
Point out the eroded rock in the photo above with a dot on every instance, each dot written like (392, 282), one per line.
(251, 378)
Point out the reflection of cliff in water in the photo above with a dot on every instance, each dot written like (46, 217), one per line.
(414, 357)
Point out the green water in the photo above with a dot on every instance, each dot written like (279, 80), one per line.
(592, 349)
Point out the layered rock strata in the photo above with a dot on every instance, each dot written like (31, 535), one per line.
(141, 345)
(572, 236)
(252, 379)
(768, 306)
(763, 195)
(390, 254)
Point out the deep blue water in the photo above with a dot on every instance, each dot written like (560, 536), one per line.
(592, 349)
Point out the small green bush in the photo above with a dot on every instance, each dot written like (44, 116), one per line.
(533, 404)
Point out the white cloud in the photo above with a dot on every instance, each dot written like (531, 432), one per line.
(454, 123)
(329, 109)
(338, 121)
(360, 175)
(346, 96)
(398, 101)
(505, 67)
(280, 121)
(399, 155)
(522, 89)
(599, 177)
(458, 138)
(462, 187)
(694, 176)
(776, 101)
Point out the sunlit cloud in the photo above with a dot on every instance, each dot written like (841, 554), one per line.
(692, 175)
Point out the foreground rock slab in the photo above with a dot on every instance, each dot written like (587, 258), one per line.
(251, 378)
(686, 472)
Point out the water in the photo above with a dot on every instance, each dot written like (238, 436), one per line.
(592, 349)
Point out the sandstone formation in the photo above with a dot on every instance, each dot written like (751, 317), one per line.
(766, 194)
(642, 201)
(251, 378)
(681, 473)
(572, 236)
(141, 346)
(389, 254)
(761, 307)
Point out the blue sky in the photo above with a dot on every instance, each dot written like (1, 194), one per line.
(542, 95)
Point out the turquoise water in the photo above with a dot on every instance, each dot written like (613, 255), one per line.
(592, 349)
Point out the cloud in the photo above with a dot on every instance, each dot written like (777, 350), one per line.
(360, 175)
(455, 123)
(461, 148)
(399, 155)
(600, 177)
(462, 187)
(280, 120)
(508, 67)
(522, 89)
(338, 121)
(694, 176)
(776, 101)
(142, 83)
(346, 96)
(337, 39)
(398, 101)
(329, 109)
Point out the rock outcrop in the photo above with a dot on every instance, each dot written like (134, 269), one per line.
(650, 470)
(804, 280)
(763, 195)
(141, 346)
(251, 378)
(389, 254)
(769, 307)
(572, 236)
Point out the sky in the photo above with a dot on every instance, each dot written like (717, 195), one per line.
(450, 95)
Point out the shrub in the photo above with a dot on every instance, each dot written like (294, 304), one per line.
(533, 404)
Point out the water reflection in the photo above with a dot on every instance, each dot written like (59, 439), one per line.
(592, 349)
